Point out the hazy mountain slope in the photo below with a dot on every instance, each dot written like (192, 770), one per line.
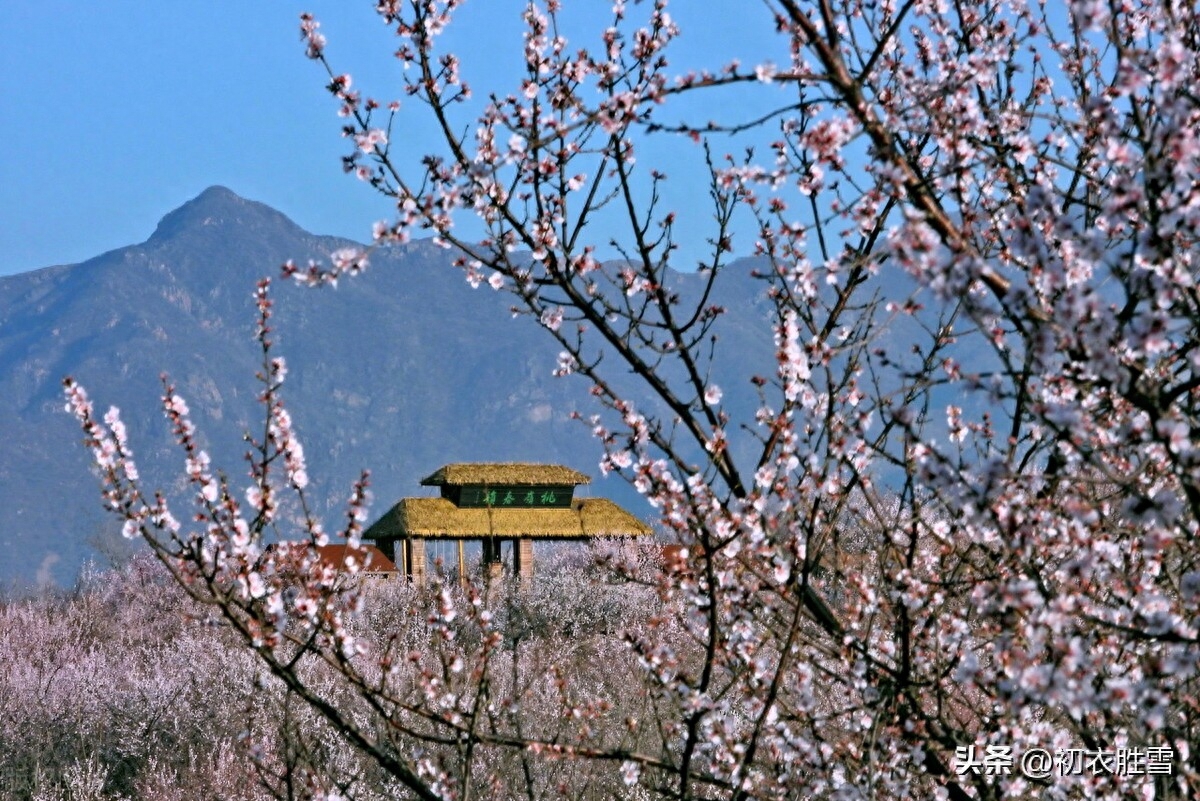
(400, 370)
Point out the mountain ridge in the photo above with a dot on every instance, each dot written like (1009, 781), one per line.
(400, 370)
(219, 209)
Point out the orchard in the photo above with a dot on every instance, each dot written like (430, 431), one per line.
(959, 529)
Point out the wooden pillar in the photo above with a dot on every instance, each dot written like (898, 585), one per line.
(492, 568)
(523, 559)
(462, 565)
(416, 560)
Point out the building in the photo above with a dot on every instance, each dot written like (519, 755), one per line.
(350, 566)
(495, 502)
(371, 562)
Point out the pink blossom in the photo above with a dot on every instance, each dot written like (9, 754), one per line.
(552, 318)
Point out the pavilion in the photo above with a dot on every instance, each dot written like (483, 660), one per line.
(496, 502)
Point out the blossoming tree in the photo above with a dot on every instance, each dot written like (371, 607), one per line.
(968, 524)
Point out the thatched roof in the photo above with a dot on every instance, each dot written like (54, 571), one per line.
(498, 473)
(439, 518)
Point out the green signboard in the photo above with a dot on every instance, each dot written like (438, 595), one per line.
(511, 496)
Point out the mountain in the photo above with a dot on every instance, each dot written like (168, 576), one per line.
(399, 370)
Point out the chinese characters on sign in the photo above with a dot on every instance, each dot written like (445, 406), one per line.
(509, 498)
(1041, 763)
(514, 496)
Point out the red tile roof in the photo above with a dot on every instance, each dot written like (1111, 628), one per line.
(370, 558)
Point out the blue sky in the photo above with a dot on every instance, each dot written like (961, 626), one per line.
(115, 113)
